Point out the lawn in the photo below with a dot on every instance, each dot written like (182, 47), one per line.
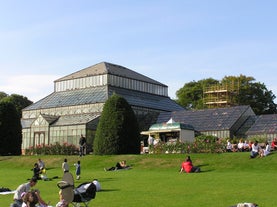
(154, 180)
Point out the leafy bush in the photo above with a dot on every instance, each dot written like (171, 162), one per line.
(117, 131)
(52, 149)
(202, 144)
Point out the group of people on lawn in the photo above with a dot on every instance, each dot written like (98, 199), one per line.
(255, 148)
(26, 198)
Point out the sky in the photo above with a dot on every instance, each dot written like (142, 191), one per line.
(172, 41)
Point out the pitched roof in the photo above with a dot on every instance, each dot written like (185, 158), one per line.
(76, 119)
(145, 100)
(241, 132)
(71, 98)
(109, 68)
(49, 118)
(208, 119)
(100, 95)
(26, 123)
(265, 124)
(67, 120)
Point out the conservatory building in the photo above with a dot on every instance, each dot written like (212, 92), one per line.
(77, 101)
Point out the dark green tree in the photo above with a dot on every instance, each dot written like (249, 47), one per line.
(20, 102)
(10, 130)
(254, 94)
(191, 95)
(258, 97)
(117, 131)
(2, 95)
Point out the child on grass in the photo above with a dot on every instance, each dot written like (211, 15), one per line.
(78, 169)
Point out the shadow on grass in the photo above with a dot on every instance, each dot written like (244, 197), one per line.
(99, 179)
(105, 179)
(50, 168)
(47, 179)
(5, 158)
(108, 190)
(204, 171)
(203, 165)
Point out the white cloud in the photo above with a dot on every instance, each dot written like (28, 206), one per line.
(34, 87)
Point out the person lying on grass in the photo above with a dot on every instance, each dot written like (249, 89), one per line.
(119, 166)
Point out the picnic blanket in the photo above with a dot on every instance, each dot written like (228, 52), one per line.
(7, 192)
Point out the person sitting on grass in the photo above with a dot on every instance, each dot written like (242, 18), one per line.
(229, 146)
(36, 171)
(30, 199)
(266, 151)
(23, 188)
(240, 146)
(255, 149)
(62, 202)
(188, 167)
(274, 144)
(246, 146)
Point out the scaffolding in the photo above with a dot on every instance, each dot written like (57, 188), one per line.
(220, 95)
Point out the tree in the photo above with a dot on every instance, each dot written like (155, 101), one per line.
(259, 98)
(20, 102)
(254, 94)
(10, 130)
(10, 126)
(3, 95)
(117, 131)
(191, 95)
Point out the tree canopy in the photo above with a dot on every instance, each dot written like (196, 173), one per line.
(3, 95)
(191, 95)
(10, 130)
(19, 101)
(117, 131)
(10, 127)
(250, 93)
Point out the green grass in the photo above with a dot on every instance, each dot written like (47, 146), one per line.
(154, 181)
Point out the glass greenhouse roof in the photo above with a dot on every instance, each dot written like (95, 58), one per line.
(265, 124)
(208, 119)
(100, 95)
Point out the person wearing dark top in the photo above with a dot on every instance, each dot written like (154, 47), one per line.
(36, 171)
(120, 165)
(82, 144)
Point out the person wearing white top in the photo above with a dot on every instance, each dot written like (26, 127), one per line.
(21, 190)
(255, 150)
(246, 205)
(266, 151)
(246, 146)
(229, 146)
(150, 140)
(240, 146)
(65, 166)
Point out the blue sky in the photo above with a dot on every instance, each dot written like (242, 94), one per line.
(173, 42)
